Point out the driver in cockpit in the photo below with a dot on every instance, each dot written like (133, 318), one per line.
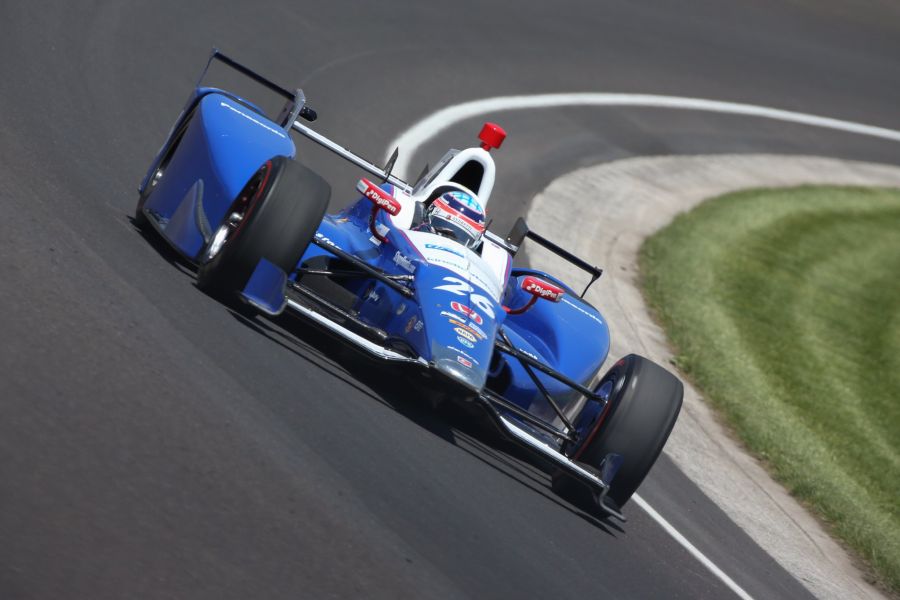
(456, 215)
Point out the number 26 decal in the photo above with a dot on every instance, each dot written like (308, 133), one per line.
(459, 287)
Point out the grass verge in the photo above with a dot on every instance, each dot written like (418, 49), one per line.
(784, 308)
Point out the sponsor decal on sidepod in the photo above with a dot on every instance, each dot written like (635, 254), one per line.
(469, 336)
(326, 239)
(471, 328)
(457, 286)
(404, 262)
(465, 310)
(462, 352)
(476, 330)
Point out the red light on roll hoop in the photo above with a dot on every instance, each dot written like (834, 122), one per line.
(491, 136)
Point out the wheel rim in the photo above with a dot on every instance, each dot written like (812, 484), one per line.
(218, 240)
(238, 212)
(607, 389)
(155, 179)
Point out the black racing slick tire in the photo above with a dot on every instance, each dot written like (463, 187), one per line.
(644, 403)
(274, 217)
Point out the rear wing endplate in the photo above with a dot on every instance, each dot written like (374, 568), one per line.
(520, 232)
(297, 106)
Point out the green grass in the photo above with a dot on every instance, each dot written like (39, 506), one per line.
(784, 309)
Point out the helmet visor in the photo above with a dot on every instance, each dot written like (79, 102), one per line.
(452, 223)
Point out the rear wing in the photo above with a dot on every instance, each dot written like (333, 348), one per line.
(295, 108)
(520, 232)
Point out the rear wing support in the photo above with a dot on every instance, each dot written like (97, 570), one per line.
(520, 232)
(297, 106)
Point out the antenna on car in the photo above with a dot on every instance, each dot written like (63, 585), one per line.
(390, 164)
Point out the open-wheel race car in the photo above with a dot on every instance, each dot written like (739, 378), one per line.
(410, 274)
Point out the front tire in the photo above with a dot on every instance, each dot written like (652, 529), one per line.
(274, 217)
(644, 403)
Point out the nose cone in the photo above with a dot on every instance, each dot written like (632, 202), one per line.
(460, 321)
(455, 365)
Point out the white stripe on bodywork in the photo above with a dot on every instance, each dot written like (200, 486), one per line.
(249, 118)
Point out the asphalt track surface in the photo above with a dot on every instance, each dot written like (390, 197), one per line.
(155, 445)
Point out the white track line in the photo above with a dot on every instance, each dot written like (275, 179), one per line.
(418, 134)
(414, 137)
(676, 535)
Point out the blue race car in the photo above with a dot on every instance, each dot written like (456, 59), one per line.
(410, 274)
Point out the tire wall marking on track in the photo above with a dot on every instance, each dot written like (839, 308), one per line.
(414, 137)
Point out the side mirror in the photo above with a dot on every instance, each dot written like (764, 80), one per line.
(380, 198)
(538, 288)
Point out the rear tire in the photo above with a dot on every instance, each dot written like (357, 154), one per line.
(643, 405)
(274, 217)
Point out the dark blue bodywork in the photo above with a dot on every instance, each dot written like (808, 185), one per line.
(217, 143)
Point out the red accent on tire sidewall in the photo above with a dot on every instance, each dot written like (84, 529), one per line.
(601, 419)
(256, 197)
